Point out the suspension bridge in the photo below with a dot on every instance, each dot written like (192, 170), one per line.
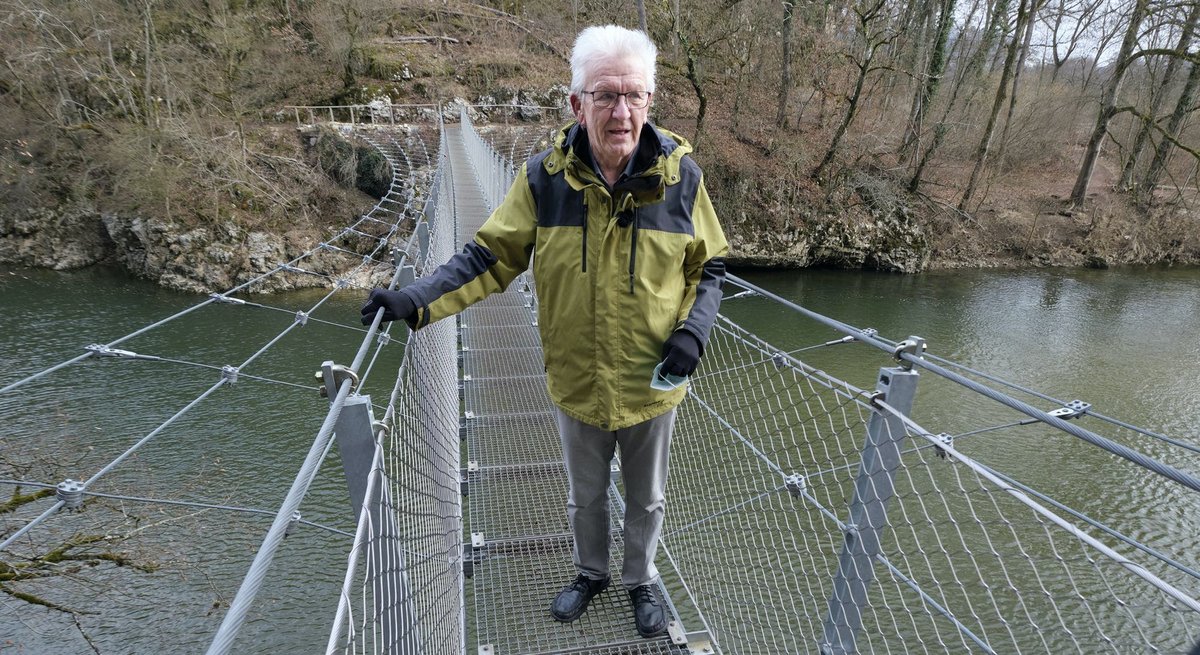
(806, 514)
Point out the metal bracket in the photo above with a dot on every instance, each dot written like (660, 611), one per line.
(302, 318)
(914, 346)
(699, 643)
(1073, 409)
(292, 523)
(229, 373)
(780, 361)
(675, 631)
(487, 649)
(332, 375)
(383, 338)
(222, 298)
(477, 540)
(70, 493)
(105, 351)
(748, 293)
(946, 439)
(796, 484)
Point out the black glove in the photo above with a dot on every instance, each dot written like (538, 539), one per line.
(396, 306)
(681, 353)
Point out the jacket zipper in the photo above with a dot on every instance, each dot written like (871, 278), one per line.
(583, 258)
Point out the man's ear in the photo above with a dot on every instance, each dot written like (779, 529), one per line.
(577, 108)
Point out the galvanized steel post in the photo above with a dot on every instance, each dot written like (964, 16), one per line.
(873, 488)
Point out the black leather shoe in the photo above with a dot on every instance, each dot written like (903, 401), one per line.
(569, 604)
(648, 614)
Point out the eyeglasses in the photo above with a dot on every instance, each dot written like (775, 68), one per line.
(608, 99)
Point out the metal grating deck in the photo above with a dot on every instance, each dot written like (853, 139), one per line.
(516, 362)
(516, 484)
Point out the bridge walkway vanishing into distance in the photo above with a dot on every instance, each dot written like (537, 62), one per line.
(806, 514)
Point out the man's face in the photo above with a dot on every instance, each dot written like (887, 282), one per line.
(612, 132)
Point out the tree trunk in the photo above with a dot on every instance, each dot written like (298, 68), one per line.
(1107, 105)
(851, 110)
(933, 78)
(694, 76)
(641, 8)
(985, 144)
(785, 83)
(1162, 154)
(1016, 81)
(971, 72)
(1143, 137)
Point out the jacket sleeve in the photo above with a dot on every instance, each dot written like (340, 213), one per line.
(704, 270)
(499, 253)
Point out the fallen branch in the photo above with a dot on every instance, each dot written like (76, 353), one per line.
(424, 39)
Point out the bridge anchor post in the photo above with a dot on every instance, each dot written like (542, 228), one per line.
(873, 489)
(395, 615)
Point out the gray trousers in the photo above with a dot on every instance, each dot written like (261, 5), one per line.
(587, 451)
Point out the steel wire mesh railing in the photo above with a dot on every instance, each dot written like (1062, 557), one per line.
(767, 529)
(403, 587)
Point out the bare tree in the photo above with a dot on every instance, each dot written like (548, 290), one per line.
(875, 32)
(1108, 103)
(971, 73)
(931, 79)
(1159, 96)
(785, 82)
(981, 153)
(1170, 135)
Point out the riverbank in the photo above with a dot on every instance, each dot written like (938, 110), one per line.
(868, 224)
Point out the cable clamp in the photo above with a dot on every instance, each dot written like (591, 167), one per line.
(70, 493)
(342, 283)
(331, 377)
(292, 523)
(944, 439)
(383, 338)
(222, 298)
(229, 373)
(796, 484)
(780, 361)
(914, 346)
(302, 318)
(748, 293)
(105, 351)
(1073, 409)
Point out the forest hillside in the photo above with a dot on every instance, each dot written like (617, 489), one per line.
(885, 134)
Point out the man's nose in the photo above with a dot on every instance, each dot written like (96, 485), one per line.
(621, 109)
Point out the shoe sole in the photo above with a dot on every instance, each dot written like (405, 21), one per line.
(583, 608)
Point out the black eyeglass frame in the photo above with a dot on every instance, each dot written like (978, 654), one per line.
(616, 99)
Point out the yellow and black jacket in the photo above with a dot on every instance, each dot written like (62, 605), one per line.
(617, 270)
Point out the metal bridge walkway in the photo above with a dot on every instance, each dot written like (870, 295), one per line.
(516, 484)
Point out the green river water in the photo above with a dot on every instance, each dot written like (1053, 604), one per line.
(1124, 340)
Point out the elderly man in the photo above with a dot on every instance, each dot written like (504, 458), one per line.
(627, 253)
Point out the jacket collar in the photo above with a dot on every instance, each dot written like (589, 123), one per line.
(658, 156)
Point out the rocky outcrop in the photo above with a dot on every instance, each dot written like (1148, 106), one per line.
(880, 233)
(186, 258)
(63, 239)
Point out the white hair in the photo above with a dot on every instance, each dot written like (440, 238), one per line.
(597, 44)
